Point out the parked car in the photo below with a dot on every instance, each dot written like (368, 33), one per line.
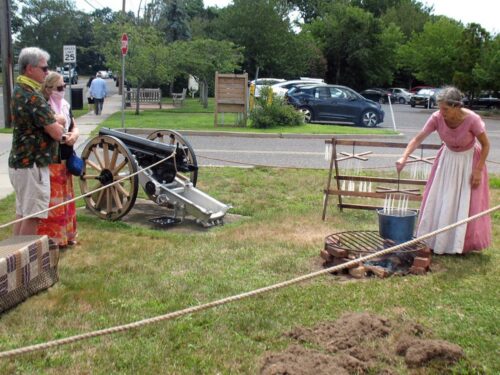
(261, 82)
(425, 98)
(416, 89)
(486, 100)
(66, 73)
(377, 95)
(399, 95)
(321, 102)
(281, 88)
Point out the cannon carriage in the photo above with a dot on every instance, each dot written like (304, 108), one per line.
(169, 178)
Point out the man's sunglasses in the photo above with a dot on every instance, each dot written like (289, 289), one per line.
(44, 68)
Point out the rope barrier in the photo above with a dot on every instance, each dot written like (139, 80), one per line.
(87, 194)
(285, 167)
(223, 301)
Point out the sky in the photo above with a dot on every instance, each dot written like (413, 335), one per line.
(484, 12)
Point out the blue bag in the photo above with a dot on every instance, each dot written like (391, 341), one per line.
(75, 164)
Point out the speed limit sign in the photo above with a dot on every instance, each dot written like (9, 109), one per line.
(69, 54)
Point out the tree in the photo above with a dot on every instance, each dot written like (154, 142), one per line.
(269, 44)
(48, 24)
(468, 75)
(201, 58)
(149, 60)
(175, 21)
(433, 55)
(409, 15)
(359, 49)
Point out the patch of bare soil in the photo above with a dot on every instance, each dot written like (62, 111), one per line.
(360, 343)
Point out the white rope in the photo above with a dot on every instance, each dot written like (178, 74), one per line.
(87, 194)
(190, 310)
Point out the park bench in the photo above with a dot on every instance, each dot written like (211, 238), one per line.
(146, 96)
(178, 98)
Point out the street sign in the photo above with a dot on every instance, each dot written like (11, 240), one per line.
(69, 54)
(124, 44)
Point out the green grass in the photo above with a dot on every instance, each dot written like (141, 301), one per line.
(192, 116)
(121, 273)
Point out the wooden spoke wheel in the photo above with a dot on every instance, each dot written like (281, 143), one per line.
(107, 160)
(172, 137)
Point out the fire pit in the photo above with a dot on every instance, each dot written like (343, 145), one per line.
(346, 246)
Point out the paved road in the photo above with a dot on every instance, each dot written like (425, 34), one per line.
(309, 153)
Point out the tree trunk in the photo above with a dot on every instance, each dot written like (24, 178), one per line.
(205, 94)
(137, 99)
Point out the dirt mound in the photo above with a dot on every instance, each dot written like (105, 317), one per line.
(360, 343)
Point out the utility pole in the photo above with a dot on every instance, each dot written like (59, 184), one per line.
(120, 85)
(7, 58)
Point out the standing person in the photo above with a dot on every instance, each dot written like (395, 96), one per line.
(90, 99)
(60, 225)
(35, 137)
(98, 92)
(458, 184)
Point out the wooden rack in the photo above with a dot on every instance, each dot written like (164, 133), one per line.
(337, 157)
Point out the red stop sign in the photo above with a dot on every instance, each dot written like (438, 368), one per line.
(124, 44)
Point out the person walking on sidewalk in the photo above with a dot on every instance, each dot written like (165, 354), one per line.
(35, 138)
(98, 91)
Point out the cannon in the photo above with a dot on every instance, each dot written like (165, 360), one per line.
(113, 155)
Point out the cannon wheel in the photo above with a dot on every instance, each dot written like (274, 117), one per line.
(172, 137)
(107, 159)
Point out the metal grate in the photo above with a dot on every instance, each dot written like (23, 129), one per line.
(363, 242)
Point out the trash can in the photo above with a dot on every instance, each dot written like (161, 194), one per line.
(76, 98)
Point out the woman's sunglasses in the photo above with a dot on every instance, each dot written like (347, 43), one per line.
(61, 88)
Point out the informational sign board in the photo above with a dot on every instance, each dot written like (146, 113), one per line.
(69, 54)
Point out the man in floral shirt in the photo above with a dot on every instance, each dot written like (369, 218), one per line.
(34, 141)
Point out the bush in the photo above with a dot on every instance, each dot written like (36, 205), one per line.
(272, 111)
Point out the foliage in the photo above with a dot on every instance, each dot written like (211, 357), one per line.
(434, 54)
(359, 49)
(409, 15)
(49, 24)
(202, 58)
(272, 45)
(272, 111)
(474, 37)
(174, 21)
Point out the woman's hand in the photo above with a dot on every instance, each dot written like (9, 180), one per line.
(476, 178)
(400, 164)
(71, 138)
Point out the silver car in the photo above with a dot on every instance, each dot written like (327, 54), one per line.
(401, 96)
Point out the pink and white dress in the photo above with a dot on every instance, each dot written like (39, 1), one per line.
(449, 196)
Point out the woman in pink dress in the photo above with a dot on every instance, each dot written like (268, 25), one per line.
(458, 184)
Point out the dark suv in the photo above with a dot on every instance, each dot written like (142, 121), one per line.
(425, 97)
(333, 103)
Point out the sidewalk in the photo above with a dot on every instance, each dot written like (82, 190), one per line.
(85, 123)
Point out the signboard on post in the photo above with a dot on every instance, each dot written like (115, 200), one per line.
(124, 44)
(69, 54)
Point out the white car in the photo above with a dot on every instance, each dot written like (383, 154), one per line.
(261, 82)
(400, 95)
(281, 88)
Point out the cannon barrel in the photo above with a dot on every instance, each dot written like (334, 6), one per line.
(138, 144)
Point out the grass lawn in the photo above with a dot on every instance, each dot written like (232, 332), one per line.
(192, 116)
(121, 273)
